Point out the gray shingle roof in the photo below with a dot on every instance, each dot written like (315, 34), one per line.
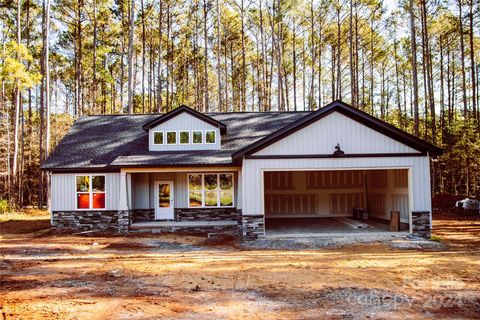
(107, 142)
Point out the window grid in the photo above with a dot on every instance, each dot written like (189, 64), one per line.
(90, 191)
(218, 190)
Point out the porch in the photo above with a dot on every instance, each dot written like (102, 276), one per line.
(185, 200)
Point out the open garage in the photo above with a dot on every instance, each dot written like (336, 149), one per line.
(336, 201)
(337, 170)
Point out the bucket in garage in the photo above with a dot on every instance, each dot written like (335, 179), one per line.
(358, 213)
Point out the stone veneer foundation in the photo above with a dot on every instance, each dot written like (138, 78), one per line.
(208, 214)
(102, 220)
(191, 214)
(252, 227)
(143, 215)
(119, 221)
(421, 224)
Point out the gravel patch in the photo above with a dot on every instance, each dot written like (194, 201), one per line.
(296, 244)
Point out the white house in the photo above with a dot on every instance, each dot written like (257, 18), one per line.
(250, 172)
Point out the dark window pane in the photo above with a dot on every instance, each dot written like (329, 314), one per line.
(211, 198)
(184, 137)
(210, 136)
(226, 198)
(98, 183)
(83, 201)
(197, 136)
(195, 181)
(99, 200)
(158, 137)
(171, 137)
(195, 198)
(210, 181)
(226, 181)
(83, 183)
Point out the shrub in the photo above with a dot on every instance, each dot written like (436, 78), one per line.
(4, 207)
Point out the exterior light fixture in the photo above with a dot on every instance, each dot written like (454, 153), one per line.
(338, 152)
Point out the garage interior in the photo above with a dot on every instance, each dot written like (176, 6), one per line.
(336, 201)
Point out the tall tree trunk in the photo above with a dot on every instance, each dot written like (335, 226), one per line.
(311, 94)
(243, 91)
(339, 54)
(352, 72)
(130, 57)
(205, 60)
(168, 74)
(46, 60)
(17, 116)
(159, 75)
(144, 42)
(219, 57)
(476, 115)
(279, 54)
(462, 52)
(428, 60)
(294, 59)
(94, 62)
(414, 70)
(442, 92)
(397, 84)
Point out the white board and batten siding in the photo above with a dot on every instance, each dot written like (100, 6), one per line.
(140, 188)
(184, 122)
(321, 137)
(64, 197)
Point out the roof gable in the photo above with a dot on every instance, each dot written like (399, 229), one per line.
(348, 111)
(321, 137)
(185, 109)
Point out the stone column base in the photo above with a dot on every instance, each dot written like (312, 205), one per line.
(421, 224)
(253, 227)
(123, 221)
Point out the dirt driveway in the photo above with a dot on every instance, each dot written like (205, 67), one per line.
(51, 276)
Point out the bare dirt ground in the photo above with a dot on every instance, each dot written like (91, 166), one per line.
(44, 275)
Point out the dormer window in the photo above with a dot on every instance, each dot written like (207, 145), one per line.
(184, 137)
(184, 129)
(210, 136)
(197, 137)
(171, 137)
(158, 137)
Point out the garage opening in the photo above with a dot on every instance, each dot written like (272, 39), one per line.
(336, 201)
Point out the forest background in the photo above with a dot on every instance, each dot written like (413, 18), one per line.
(412, 63)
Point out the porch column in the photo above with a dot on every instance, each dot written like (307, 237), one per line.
(123, 197)
(123, 214)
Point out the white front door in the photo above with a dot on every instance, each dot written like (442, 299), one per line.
(164, 200)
